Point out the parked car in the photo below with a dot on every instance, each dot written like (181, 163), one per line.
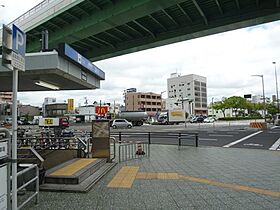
(209, 120)
(121, 123)
(197, 119)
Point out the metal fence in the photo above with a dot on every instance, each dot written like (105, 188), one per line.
(133, 150)
(29, 181)
(178, 138)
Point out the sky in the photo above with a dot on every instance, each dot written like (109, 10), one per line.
(227, 60)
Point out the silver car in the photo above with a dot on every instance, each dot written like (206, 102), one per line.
(121, 123)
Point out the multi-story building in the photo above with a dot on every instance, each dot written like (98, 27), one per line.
(47, 101)
(6, 97)
(190, 92)
(149, 102)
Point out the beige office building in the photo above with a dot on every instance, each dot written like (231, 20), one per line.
(149, 102)
(6, 96)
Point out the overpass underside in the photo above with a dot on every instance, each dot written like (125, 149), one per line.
(48, 71)
(101, 29)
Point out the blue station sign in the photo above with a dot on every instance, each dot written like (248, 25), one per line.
(72, 55)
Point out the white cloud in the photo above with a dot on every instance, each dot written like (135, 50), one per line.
(226, 59)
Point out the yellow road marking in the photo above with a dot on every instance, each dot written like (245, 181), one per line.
(124, 178)
(73, 168)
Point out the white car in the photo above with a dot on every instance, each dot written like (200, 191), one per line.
(121, 123)
(209, 120)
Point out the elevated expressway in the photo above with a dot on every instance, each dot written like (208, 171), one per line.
(101, 29)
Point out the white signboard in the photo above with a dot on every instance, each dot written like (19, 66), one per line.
(18, 61)
(3, 149)
(49, 122)
(3, 188)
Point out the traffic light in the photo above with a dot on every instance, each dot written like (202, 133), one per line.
(7, 47)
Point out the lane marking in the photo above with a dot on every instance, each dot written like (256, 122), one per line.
(124, 178)
(275, 145)
(274, 127)
(221, 135)
(252, 144)
(122, 175)
(205, 139)
(243, 139)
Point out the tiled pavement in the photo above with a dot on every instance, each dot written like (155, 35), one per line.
(257, 169)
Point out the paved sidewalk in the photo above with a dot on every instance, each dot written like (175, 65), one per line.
(190, 178)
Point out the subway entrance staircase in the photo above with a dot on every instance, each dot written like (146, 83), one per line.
(76, 175)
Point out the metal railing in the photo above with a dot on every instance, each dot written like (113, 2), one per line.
(133, 150)
(46, 142)
(41, 11)
(31, 153)
(112, 154)
(24, 176)
(180, 138)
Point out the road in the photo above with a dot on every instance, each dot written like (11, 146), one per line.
(221, 134)
(233, 136)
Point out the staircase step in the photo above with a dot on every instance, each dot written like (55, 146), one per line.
(73, 171)
(82, 187)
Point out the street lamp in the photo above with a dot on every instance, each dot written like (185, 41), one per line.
(277, 98)
(161, 99)
(264, 110)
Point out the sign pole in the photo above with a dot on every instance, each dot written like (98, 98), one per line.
(14, 140)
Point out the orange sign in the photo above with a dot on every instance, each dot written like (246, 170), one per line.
(101, 110)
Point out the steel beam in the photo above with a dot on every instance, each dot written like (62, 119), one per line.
(171, 18)
(184, 12)
(144, 28)
(237, 4)
(95, 5)
(219, 6)
(110, 17)
(133, 29)
(113, 36)
(123, 33)
(155, 20)
(105, 42)
(200, 11)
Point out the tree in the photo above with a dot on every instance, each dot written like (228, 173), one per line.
(236, 103)
(271, 109)
(220, 105)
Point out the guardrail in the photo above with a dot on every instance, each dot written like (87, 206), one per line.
(153, 137)
(112, 154)
(133, 150)
(27, 181)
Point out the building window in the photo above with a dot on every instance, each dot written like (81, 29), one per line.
(204, 105)
(203, 84)
(197, 104)
(197, 83)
